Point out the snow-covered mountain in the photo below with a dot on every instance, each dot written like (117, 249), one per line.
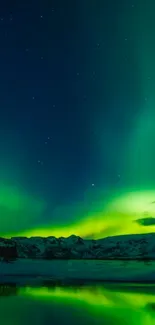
(74, 247)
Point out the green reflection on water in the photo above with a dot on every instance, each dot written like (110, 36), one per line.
(134, 305)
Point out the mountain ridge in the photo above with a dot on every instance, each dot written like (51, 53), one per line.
(132, 247)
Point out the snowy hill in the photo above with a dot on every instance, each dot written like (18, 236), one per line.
(74, 247)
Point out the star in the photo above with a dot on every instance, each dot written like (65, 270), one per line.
(92, 184)
(40, 162)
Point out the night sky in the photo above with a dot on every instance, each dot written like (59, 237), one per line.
(77, 98)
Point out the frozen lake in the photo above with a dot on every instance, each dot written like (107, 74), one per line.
(25, 271)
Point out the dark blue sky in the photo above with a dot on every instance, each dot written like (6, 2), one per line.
(69, 89)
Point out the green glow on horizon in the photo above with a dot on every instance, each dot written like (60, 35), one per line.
(116, 218)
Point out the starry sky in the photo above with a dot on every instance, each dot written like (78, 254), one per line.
(77, 116)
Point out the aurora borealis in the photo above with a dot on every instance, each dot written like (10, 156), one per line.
(77, 149)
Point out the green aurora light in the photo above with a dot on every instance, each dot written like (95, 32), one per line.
(20, 214)
(115, 218)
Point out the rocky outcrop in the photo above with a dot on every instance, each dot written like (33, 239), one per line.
(118, 247)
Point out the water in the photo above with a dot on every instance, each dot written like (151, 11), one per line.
(96, 304)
